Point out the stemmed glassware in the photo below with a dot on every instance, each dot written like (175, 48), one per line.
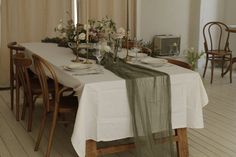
(75, 48)
(98, 54)
(136, 48)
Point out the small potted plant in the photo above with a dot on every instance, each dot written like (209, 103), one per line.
(193, 56)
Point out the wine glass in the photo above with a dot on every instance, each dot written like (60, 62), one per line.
(99, 55)
(136, 48)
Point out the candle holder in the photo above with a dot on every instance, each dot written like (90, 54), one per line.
(75, 49)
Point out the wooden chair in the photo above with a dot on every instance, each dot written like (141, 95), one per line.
(216, 44)
(30, 86)
(57, 104)
(14, 49)
(180, 63)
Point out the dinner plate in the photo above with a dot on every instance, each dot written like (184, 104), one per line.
(156, 62)
(139, 55)
(77, 66)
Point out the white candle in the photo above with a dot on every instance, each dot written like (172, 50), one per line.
(127, 15)
(87, 10)
(87, 19)
(87, 33)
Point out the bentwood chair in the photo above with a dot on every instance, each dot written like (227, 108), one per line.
(30, 85)
(58, 104)
(180, 63)
(216, 44)
(14, 49)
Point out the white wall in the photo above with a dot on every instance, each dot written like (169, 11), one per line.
(177, 17)
(211, 10)
(230, 19)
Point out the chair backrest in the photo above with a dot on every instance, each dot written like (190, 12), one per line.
(216, 36)
(180, 63)
(14, 49)
(22, 65)
(43, 69)
(146, 50)
(13, 46)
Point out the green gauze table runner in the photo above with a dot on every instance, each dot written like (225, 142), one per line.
(150, 104)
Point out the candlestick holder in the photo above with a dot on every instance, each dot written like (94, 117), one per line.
(127, 45)
(75, 49)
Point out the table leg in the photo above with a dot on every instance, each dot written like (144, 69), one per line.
(182, 143)
(91, 148)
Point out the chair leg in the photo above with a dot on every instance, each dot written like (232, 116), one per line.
(204, 73)
(212, 69)
(231, 68)
(222, 67)
(17, 99)
(51, 133)
(12, 94)
(41, 129)
(30, 115)
(24, 109)
(11, 82)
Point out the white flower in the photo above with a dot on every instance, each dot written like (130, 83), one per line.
(60, 27)
(87, 27)
(64, 35)
(120, 33)
(107, 48)
(82, 36)
(192, 49)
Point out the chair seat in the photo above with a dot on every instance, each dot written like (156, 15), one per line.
(219, 53)
(67, 104)
(36, 88)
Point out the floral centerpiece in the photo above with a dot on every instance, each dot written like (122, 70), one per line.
(98, 30)
(192, 57)
(70, 32)
(103, 32)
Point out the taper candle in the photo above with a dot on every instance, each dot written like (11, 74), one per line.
(127, 15)
(87, 18)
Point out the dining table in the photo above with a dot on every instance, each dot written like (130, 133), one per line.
(104, 114)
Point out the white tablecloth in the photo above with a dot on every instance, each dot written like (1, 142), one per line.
(104, 114)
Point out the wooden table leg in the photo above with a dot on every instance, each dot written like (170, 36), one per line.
(91, 148)
(182, 143)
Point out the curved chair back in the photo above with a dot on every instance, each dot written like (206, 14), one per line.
(43, 70)
(22, 65)
(180, 63)
(14, 49)
(216, 37)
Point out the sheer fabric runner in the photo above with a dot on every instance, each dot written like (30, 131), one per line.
(150, 105)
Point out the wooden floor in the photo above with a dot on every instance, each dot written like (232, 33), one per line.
(217, 139)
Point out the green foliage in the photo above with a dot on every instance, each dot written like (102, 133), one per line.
(193, 56)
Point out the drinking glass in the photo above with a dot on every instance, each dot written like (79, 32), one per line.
(99, 55)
